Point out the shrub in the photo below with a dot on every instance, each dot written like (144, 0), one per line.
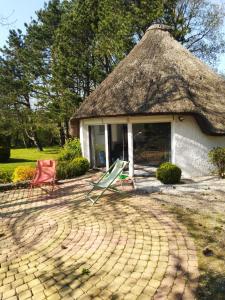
(217, 158)
(62, 170)
(81, 165)
(23, 173)
(4, 153)
(77, 167)
(5, 176)
(168, 173)
(71, 150)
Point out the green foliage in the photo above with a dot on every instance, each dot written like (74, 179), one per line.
(85, 271)
(70, 169)
(217, 158)
(168, 173)
(23, 173)
(70, 163)
(5, 176)
(62, 170)
(4, 153)
(82, 165)
(71, 150)
(16, 88)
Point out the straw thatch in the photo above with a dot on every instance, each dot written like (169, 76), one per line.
(160, 76)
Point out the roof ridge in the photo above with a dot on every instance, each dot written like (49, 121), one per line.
(160, 27)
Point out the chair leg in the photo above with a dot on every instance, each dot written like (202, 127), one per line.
(114, 189)
(94, 200)
(88, 193)
(121, 183)
(100, 195)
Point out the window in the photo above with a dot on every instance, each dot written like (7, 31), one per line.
(152, 143)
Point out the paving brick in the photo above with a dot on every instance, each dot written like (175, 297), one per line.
(8, 294)
(12, 298)
(25, 295)
(8, 280)
(38, 296)
(34, 282)
(5, 288)
(55, 296)
(22, 288)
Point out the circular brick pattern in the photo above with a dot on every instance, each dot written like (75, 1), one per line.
(62, 247)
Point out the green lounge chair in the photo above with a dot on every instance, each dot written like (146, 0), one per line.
(106, 181)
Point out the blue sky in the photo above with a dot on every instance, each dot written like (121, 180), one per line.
(21, 11)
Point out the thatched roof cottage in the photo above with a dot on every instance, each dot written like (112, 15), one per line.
(160, 103)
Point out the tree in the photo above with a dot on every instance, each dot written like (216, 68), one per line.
(39, 40)
(16, 87)
(92, 38)
(198, 25)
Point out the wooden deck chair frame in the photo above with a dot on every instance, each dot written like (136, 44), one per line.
(109, 185)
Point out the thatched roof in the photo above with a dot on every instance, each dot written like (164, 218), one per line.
(160, 76)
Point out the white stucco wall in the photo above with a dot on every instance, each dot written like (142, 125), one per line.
(191, 147)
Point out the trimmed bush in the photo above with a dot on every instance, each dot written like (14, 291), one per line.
(23, 173)
(77, 167)
(217, 158)
(81, 165)
(5, 176)
(4, 153)
(71, 150)
(62, 170)
(168, 173)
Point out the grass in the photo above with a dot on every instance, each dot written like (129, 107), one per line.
(28, 157)
(208, 230)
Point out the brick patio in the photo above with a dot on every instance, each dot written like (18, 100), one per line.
(62, 247)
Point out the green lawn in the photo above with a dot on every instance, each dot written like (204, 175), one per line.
(28, 157)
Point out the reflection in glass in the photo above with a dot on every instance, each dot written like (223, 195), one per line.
(118, 142)
(97, 146)
(152, 143)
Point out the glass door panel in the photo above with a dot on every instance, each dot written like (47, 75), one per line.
(152, 143)
(97, 146)
(118, 146)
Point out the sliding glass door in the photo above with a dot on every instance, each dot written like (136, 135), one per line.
(97, 146)
(152, 143)
(117, 142)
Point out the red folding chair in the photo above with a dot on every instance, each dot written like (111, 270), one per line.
(45, 174)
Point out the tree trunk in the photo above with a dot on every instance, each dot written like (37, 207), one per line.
(24, 141)
(61, 135)
(33, 137)
(37, 143)
(66, 128)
